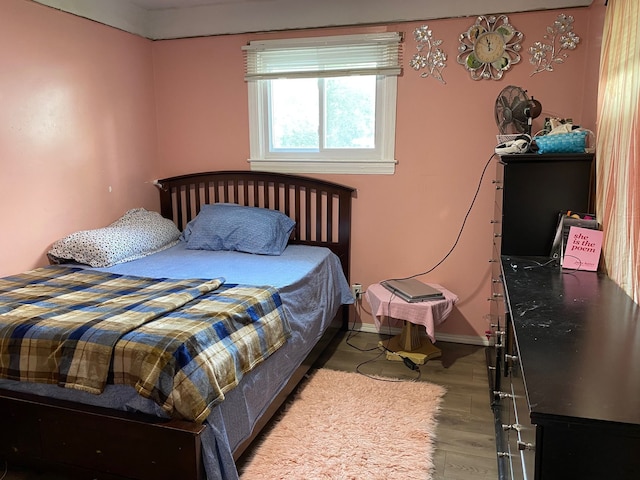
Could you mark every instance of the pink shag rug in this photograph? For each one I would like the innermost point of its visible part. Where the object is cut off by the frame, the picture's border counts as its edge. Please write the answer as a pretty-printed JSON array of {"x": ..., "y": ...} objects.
[{"x": 343, "y": 425}]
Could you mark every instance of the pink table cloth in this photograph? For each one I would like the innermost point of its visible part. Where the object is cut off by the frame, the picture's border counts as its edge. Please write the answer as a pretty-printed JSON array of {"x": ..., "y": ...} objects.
[{"x": 430, "y": 313}]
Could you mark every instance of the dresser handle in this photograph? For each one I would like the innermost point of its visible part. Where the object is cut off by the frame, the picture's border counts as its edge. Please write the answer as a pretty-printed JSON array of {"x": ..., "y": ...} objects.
[
  {"x": 497, "y": 235},
  {"x": 525, "y": 446},
  {"x": 503, "y": 454},
  {"x": 515, "y": 426},
  {"x": 508, "y": 357},
  {"x": 495, "y": 221},
  {"x": 499, "y": 394},
  {"x": 493, "y": 260}
]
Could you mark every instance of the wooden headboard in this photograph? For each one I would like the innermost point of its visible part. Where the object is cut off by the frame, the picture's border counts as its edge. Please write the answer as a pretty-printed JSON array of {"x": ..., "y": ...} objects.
[{"x": 321, "y": 210}]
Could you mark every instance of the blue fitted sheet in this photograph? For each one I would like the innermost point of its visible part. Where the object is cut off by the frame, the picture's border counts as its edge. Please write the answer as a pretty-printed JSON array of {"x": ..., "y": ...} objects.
[{"x": 312, "y": 287}]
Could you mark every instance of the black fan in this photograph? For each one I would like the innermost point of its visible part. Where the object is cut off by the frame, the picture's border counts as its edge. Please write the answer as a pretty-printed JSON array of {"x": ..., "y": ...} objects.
[{"x": 515, "y": 111}]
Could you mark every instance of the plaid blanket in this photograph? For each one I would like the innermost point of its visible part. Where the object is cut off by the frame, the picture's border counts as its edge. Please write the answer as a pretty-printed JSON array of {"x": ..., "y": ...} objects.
[{"x": 181, "y": 343}]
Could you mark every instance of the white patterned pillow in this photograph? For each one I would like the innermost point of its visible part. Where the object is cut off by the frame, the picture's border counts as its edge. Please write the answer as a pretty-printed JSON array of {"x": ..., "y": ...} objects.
[{"x": 136, "y": 234}]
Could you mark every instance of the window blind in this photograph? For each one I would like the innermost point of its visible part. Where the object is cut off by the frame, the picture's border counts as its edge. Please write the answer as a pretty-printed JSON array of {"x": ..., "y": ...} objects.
[{"x": 368, "y": 54}]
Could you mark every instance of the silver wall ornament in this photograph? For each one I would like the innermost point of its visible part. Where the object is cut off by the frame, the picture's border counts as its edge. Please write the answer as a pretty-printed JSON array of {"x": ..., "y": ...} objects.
[
  {"x": 560, "y": 38},
  {"x": 429, "y": 56}
]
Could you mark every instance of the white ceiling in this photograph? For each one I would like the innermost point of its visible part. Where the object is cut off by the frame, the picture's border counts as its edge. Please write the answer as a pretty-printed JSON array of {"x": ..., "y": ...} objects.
[{"x": 164, "y": 19}]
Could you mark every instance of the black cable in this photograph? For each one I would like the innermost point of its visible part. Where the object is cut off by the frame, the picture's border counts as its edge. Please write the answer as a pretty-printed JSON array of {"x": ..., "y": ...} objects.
[
  {"x": 464, "y": 221},
  {"x": 382, "y": 379},
  {"x": 381, "y": 348},
  {"x": 352, "y": 332},
  {"x": 407, "y": 361}
]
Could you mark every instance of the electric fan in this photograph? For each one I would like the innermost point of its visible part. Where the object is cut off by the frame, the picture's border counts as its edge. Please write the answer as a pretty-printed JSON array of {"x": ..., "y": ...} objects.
[{"x": 514, "y": 111}]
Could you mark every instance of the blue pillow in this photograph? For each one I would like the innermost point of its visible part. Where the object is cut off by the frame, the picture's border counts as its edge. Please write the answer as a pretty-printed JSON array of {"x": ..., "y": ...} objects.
[{"x": 234, "y": 227}]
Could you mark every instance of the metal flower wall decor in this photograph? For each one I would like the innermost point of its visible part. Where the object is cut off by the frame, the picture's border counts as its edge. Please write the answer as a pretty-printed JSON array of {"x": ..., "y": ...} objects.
[
  {"x": 560, "y": 38},
  {"x": 430, "y": 56}
]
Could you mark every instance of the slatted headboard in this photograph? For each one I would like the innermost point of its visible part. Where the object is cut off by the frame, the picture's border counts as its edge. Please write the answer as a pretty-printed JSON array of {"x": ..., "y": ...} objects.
[{"x": 321, "y": 209}]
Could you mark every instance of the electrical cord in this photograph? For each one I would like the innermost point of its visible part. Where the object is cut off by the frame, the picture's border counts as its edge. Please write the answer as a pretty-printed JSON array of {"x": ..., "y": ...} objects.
[
  {"x": 383, "y": 379},
  {"x": 464, "y": 222},
  {"x": 538, "y": 264},
  {"x": 552, "y": 260},
  {"x": 410, "y": 364},
  {"x": 352, "y": 332}
]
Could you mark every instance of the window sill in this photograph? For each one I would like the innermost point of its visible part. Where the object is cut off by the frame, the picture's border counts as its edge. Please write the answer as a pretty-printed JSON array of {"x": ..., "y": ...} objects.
[{"x": 362, "y": 167}]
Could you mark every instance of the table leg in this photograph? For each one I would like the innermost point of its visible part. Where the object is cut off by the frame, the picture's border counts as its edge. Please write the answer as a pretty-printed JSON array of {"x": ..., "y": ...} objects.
[{"x": 411, "y": 344}]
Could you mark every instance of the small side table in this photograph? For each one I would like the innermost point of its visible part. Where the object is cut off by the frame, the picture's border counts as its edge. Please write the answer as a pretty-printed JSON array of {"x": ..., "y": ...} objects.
[{"x": 410, "y": 342}]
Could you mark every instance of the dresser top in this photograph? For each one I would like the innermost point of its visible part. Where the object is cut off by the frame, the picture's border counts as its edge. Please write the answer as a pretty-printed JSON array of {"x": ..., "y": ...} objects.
[
  {"x": 578, "y": 334},
  {"x": 547, "y": 157}
]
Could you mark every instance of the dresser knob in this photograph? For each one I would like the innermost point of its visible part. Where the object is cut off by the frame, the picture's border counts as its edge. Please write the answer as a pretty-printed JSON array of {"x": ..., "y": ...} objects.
[{"x": 503, "y": 454}]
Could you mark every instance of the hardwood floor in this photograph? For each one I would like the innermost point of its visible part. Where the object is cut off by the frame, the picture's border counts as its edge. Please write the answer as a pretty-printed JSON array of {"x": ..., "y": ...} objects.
[{"x": 465, "y": 443}]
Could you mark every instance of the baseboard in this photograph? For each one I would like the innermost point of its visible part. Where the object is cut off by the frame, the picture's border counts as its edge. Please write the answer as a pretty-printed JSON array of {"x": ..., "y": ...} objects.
[
  {"x": 466, "y": 339},
  {"x": 443, "y": 337}
]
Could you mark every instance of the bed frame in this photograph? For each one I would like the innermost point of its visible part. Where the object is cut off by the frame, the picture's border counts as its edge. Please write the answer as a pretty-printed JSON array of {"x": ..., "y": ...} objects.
[{"x": 89, "y": 442}]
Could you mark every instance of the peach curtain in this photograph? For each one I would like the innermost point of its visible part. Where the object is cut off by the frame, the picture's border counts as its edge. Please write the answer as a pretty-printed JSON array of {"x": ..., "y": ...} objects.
[{"x": 617, "y": 144}]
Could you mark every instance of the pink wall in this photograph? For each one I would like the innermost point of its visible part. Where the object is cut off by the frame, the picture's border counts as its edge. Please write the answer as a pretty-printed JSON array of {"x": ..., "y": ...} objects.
[
  {"x": 80, "y": 115},
  {"x": 77, "y": 117},
  {"x": 445, "y": 136}
]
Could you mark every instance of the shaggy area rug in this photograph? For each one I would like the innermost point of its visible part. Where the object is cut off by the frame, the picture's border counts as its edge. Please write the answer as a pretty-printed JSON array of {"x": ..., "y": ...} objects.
[{"x": 343, "y": 425}]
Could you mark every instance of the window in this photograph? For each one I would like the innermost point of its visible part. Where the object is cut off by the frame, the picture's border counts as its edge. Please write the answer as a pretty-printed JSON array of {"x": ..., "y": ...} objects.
[{"x": 323, "y": 104}]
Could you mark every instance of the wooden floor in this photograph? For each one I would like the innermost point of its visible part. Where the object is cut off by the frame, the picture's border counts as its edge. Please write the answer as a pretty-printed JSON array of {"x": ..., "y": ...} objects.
[{"x": 465, "y": 442}]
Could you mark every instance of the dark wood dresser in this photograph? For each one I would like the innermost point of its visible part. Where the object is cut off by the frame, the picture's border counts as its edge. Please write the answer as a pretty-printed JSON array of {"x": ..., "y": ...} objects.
[
  {"x": 531, "y": 191},
  {"x": 569, "y": 404},
  {"x": 564, "y": 368}
]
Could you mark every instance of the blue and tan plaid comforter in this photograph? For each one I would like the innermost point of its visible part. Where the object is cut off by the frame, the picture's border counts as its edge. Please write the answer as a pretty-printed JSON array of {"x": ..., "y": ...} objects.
[{"x": 181, "y": 343}]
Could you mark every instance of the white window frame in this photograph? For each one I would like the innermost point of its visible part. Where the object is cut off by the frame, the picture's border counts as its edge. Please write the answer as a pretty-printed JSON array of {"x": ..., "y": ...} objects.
[{"x": 380, "y": 160}]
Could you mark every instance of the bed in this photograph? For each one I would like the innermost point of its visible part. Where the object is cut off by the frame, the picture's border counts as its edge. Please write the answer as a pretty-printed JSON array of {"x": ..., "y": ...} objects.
[{"x": 120, "y": 434}]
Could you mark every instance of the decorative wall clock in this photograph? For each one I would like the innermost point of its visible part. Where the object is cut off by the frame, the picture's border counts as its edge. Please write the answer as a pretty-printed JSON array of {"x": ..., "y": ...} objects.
[{"x": 490, "y": 47}]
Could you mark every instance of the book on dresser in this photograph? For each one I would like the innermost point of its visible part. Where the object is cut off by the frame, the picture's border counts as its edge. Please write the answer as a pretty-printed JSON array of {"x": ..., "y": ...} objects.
[{"x": 582, "y": 250}]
